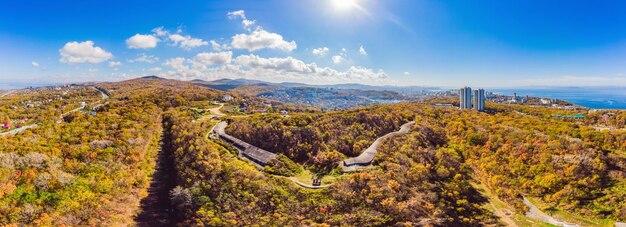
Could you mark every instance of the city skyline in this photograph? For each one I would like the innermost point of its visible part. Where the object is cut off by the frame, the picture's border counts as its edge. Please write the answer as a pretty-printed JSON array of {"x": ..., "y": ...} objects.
[{"x": 396, "y": 42}]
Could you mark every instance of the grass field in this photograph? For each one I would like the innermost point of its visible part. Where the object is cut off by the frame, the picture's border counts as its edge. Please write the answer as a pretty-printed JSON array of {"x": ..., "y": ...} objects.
[{"x": 305, "y": 177}]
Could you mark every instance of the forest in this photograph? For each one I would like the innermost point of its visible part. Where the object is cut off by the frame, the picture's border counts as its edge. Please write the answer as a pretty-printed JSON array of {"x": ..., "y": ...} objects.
[
  {"x": 516, "y": 151},
  {"x": 96, "y": 168},
  {"x": 218, "y": 189},
  {"x": 89, "y": 168},
  {"x": 301, "y": 137}
]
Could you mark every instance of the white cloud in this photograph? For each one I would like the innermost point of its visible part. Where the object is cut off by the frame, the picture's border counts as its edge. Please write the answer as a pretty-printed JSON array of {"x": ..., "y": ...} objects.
[
  {"x": 261, "y": 39},
  {"x": 216, "y": 46},
  {"x": 320, "y": 52},
  {"x": 93, "y": 70},
  {"x": 139, "y": 41},
  {"x": 344, "y": 50},
  {"x": 184, "y": 41},
  {"x": 114, "y": 64},
  {"x": 144, "y": 58},
  {"x": 247, "y": 24},
  {"x": 176, "y": 63},
  {"x": 287, "y": 64},
  {"x": 199, "y": 66},
  {"x": 187, "y": 42},
  {"x": 219, "y": 58},
  {"x": 361, "y": 73},
  {"x": 253, "y": 66},
  {"x": 337, "y": 59},
  {"x": 35, "y": 64},
  {"x": 407, "y": 73},
  {"x": 362, "y": 51},
  {"x": 160, "y": 32},
  {"x": 155, "y": 69},
  {"x": 257, "y": 38},
  {"x": 81, "y": 52}
]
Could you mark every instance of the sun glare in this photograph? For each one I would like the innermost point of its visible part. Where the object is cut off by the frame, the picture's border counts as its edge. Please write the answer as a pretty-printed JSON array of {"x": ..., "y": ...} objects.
[{"x": 344, "y": 4}]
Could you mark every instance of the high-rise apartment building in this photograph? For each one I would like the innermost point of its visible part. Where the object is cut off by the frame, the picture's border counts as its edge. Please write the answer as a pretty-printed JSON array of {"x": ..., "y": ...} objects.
[
  {"x": 479, "y": 99},
  {"x": 465, "y": 98}
]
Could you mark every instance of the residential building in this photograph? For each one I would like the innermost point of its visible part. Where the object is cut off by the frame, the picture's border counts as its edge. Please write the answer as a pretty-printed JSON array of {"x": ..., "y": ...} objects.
[
  {"x": 479, "y": 99},
  {"x": 546, "y": 101},
  {"x": 465, "y": 98},
  {"x": 227, "y": 98}
]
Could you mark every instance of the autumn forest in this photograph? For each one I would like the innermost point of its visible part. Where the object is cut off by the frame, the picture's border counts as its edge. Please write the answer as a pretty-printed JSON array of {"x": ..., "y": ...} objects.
[{"x": 143, "y": 152}]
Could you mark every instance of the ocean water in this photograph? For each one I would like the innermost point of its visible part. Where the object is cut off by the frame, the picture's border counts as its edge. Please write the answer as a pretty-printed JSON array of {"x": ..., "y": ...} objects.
[
  {"x": 10, "y": 86},
  {"x": 591, "y": 97}
]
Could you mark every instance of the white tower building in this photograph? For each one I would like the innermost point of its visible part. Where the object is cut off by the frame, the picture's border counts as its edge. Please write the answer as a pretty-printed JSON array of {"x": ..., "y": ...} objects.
[
  {"x": 479, "y": 99},
  {"x": 465, "y": 98}
]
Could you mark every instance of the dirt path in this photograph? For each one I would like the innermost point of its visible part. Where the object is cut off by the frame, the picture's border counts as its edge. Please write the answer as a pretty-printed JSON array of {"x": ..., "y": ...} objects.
[
  {"x": 216, "y": 111},
  {"x": 306, "y": 185},
  {"x": 156, "y": 208},
  {"x": 503, "y": 215}
]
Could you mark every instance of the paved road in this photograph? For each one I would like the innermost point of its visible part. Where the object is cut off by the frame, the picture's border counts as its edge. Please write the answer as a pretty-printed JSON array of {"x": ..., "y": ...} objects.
[
  {"x": 21, "y": 129},
  {"x": 104, "y": 94},
  {"x": 72, "y": 111},
  {"x": 536, "y": 214},
  {"x": 18, "y": 130},
  {"x": 7, "y": 93},
  {"x": 98, "y": 104},
  {"x": 366, "y": 157}
]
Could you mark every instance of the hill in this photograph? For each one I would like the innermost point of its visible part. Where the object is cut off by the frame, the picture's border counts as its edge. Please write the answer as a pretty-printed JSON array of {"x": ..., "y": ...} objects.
[
  {"x": 320, "y": 96},
  {"x": 144, "y": 155},
  {"x": 225, "y": 84}
]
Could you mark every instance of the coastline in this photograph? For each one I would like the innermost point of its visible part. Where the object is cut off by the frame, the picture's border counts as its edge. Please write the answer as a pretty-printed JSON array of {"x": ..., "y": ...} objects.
[{"x": 593, "y": 98}]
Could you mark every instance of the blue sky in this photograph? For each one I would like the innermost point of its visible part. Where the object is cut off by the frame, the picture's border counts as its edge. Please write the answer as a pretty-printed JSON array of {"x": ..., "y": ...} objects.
[{"x": 402, "y": 42}]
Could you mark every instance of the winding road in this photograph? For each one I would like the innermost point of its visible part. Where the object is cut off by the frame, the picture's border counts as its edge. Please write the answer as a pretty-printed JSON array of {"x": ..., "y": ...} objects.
[
  {"x": 18, "y": 130},
  {"x": 352, "y": 164},
  {"x": 536, "y": 214},
  {"x": 23, "y": 128},
  {"x": 365, "y": 159}
]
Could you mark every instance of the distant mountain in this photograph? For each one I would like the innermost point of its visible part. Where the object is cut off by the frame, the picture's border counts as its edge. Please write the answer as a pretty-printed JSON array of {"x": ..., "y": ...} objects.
[
  {"x": 225, "y": 81},
  {"x": 151, "y": 77},
  {"x": 229, "y": 84},
  {"x": 340, "y": 96}
]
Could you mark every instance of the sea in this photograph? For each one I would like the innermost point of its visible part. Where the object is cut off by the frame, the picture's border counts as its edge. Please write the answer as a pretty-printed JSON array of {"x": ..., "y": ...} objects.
[
  {"x": 590, "y": 97},
  {"x": 10, "y": 86}
]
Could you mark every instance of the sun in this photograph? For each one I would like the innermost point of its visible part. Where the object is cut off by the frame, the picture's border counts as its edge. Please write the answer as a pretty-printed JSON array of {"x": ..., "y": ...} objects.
[{"x": 344, "y": 4}]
